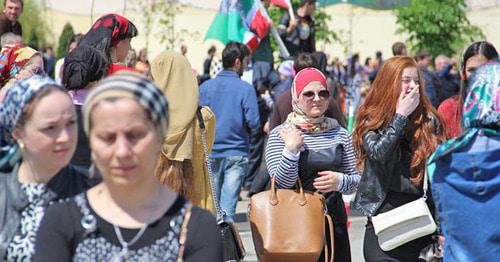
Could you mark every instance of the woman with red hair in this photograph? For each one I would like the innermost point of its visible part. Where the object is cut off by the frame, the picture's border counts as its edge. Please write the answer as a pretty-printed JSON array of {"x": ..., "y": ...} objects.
[{"x": 397, "y": 129}]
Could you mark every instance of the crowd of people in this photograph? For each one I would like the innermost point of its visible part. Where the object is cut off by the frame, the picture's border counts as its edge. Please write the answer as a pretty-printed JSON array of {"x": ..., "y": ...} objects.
[{"x": 106, "y": 156}]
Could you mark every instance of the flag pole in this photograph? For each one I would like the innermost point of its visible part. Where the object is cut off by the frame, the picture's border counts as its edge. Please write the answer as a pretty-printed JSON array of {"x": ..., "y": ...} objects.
[
  {"x": 283, "y": 50},
  {"x": 290, "y": 9}
]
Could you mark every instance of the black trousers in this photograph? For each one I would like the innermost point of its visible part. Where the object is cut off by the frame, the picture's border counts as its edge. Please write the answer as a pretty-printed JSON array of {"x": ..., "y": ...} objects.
[
  {"x": 257, "y": 146},
  {"x": 407, "y": 252}
]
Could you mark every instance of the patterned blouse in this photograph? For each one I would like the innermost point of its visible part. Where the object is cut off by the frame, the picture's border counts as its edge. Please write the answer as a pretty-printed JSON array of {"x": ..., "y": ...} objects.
[{"x": 22, "y": 246}]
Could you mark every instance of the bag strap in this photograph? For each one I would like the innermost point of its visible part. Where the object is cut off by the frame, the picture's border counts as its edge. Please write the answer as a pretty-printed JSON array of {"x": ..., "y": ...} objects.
[
  {"x": 426, "y": 185},
  {"x": 208, "y": 162},
  {"x": 184, "y": 230},
  {"x": 332, "y": 244}
]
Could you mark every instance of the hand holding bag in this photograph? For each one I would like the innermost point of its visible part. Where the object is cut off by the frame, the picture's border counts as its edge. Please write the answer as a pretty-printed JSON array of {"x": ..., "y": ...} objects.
[
  {"x": 231, "y": 242},
  {"x": 289, "y": 225},
  {"x": 404, "y": 223}
]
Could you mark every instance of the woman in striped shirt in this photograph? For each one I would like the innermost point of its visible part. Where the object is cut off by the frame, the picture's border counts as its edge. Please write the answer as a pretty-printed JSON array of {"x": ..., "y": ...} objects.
[{"x": 317, "y": 150}]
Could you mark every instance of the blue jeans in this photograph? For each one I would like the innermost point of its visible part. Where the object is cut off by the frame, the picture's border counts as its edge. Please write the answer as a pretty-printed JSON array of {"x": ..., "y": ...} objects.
[{"x": 229, "y": 173}]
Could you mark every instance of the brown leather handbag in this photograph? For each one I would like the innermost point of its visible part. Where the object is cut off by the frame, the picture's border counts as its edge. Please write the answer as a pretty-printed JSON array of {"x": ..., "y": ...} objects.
[{"x": 289, "y": 225}]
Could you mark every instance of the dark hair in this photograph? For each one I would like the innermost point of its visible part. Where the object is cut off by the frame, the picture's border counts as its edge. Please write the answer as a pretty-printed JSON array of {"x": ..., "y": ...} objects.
[
  {"x": 397, "y": 48},
  {"x": 211, "y": 50},
  {"x": 14, "y": 1},
  {"x": 477, "y": 48},
  {"x": 83, "y": 65},
  {"x": 422, "y": 54},
  {"x": 367, "y": 61},
  {"x": 233, "y": 51},
  {"x": 304, "y": 2},
  {"x": 77, "y": 38},
  {"x": 305, "y": 60},
  {"x": 352, "y": 66},
  {"x": 378, "y": 54}
]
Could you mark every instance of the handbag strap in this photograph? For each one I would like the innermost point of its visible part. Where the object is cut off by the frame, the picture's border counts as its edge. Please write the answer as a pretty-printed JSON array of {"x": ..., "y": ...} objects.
[
  {"x": 208, "y": 162},
  {"x": 426, "y": 185},
  {"x": 332, "y": 239},
  {"x": 183, "y": 236}
]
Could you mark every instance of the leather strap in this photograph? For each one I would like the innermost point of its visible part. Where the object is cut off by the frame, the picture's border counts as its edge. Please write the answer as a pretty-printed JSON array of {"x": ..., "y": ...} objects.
[
  {"x": 183, "y": 236},
  {"x": 332, "y": 246}
]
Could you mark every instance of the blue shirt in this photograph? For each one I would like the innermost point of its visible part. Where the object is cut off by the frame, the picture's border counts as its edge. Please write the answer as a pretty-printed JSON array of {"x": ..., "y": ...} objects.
[{"x": 234, "y": 103}]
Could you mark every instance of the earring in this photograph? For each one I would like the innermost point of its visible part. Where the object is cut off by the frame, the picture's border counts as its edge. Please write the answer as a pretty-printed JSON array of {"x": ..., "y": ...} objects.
[{"x": 21, "y": 145}]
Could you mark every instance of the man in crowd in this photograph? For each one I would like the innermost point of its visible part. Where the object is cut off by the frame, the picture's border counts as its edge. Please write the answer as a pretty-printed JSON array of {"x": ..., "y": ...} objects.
[
  {"x": 12, "y": 10},
  {"x": 432, "y": 83},
  {"x": 399, "y": 49},
  {"x": 450, "y": 81},
  {"x": 234, "y": 103},
  {"x": 299, "y": 32},
  {"x": 10, "y": 38}
]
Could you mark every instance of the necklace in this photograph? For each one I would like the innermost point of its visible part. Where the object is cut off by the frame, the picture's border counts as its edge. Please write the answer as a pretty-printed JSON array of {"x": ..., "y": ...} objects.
[{"x": 124, "y": 253}]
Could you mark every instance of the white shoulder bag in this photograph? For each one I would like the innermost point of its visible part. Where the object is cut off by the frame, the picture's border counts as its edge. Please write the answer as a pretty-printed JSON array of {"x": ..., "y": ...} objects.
[{"x": 405, "y": 223}]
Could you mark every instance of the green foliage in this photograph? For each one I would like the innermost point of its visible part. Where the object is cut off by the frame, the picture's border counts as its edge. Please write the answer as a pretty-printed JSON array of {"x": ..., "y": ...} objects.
[
  {"x": 65, "y": 40},
  {"x": 35, "y": 29},
  {"x": 323, "y": 32},
  {"x": 439, "y": 26},
  {"x": 162, "y": 14}
]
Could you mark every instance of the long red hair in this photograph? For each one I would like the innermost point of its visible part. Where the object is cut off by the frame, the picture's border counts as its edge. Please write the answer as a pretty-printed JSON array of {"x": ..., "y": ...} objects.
[{"x": 425, "y": 127}]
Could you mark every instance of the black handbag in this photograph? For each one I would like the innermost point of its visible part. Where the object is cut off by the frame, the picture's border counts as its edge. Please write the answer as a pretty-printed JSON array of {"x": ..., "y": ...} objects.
[{"x": 232, "y": 245}]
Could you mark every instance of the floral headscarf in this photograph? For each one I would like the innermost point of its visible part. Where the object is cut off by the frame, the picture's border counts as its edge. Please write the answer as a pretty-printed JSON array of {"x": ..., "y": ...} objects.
[
  {"x": 297, "y": 117},
  {"x": 481, "y": 110},
  {"x": 12, "y": 59},
  {"x": 108, "y": 31},
  {"x": 482, "y": 103}
]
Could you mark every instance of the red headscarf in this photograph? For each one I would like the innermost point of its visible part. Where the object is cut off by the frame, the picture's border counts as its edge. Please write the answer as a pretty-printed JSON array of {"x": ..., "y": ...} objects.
[
  {"x": 305, "y": 77},
  {"x": 12, "y": 59},
  {"x": 298, "y": 118},
  {"x": 108, "y": 31}
]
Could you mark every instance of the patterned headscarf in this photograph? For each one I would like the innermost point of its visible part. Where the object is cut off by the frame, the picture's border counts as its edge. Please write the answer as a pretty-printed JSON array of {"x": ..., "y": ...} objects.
[
  {"x": 108, "y": 31},
  {"x": 482, "y": 103},
  {"x": 481, "y": 110},
  {"x": 134, "y": 86},
  {"x": 297, "y": 117},
  {"x": 12, "y": 59},
  {"x": 14, "y": 102}
]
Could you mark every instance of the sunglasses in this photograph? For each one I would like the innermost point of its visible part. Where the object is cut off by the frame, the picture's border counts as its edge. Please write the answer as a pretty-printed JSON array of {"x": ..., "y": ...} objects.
[{"x": 323, "y": 94}]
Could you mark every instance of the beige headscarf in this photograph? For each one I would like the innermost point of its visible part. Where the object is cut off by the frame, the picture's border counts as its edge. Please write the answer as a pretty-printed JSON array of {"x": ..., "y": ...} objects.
[{"x": 172, "y": 72}]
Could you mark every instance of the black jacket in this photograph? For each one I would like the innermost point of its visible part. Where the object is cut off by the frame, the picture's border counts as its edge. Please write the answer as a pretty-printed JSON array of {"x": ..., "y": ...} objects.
[
  {"x": 382, "y": 163},
  {"x": 67, "y": 183}
]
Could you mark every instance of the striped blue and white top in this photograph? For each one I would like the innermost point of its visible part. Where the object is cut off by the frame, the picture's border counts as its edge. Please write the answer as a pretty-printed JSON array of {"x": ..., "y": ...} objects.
[{"x": 285, "y": 165}]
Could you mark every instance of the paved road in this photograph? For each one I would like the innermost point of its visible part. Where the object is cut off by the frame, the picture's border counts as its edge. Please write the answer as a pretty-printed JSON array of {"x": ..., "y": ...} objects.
[{"x": 356, "y": 232}]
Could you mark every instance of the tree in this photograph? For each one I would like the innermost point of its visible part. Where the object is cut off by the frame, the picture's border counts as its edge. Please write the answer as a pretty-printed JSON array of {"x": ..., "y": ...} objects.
[
  {"x": 35, "y": 29},
  {"x": 65, "y": 40},
  {"x": 161, "y": 16},
  {"x": 439, "y": 26}
]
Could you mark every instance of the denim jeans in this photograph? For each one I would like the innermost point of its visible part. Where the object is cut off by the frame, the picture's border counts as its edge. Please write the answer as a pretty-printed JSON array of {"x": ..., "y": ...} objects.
[{"x": 229, "y": 173}]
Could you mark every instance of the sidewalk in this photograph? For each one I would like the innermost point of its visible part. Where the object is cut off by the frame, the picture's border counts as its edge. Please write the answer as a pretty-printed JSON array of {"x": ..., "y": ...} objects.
[{"x": 356, "y": 232}]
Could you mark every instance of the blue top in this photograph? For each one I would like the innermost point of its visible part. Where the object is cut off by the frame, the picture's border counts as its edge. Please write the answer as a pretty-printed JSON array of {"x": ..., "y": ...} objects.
[{"x": 234, "y": 103}]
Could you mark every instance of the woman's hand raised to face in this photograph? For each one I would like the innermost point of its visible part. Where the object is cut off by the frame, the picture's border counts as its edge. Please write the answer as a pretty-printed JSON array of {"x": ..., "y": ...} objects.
[
  {"x": 407, "y": 103},
  {"x": 327, "y": 181},
  {"x": 292, "y": 137}
]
